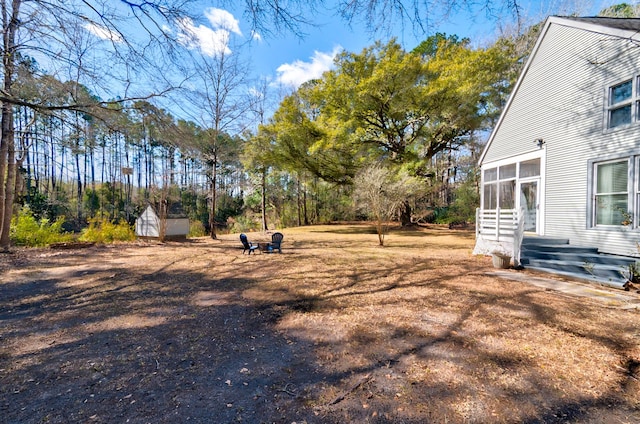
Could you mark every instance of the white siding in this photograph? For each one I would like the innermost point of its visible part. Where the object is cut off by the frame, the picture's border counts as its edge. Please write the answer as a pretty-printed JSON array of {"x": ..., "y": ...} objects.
[
  {"x": 561, "y": 99},
  {"x": 148, "y": 225}
]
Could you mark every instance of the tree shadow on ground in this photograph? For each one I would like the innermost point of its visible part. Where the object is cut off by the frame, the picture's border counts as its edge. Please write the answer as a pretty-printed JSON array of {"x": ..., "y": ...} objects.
[{"x": 207, "y": 335}]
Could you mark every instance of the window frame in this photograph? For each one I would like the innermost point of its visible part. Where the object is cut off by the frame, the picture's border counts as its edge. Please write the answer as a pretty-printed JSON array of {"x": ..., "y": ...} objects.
[
  {"x": 633, "y": 102},
  {"x": 597, "y": 195},
  {"x": 633, "y": 191},
  {"x": 499, "y": 180}
]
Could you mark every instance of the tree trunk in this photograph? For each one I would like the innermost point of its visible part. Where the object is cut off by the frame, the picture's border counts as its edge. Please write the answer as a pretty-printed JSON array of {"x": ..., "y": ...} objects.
[
  {"x": 79, "y": 188},
  {"x": 304, "y": 207},
  {"x": 9, "y": 173},
  {"x": 7, "y": 146},
  {"x": 212, "y": 213},
  {"x": 380, "y": 229},
  {"x": 4, "y": 160},
  {"x": 32, "y": 175},
  {"x": 264, "y": 200},
  {"x": 162, "y": 216},
  {"x": 405, "y": 214},
  {"x": 298, "y": 202}
]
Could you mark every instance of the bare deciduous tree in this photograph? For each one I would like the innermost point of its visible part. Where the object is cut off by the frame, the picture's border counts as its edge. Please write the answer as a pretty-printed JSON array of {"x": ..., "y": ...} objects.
[
  {"x": 380, "y": 193},
  {"x": 220, "y": 100},
  {"x": 277, "y": 16},
  {"x": 124, "y": 34}
]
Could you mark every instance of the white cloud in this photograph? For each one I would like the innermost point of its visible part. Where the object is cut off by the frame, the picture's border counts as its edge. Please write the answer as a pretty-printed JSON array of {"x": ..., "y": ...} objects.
[
  {"x": 210, "y": 42},
  {"x": 296, "y": 73},
  {"x": 221, "y": 19},
  {"x": 256, "y": 36},
  {"x": 102, "y": 32},
  {"x": 254, "y": 92}
]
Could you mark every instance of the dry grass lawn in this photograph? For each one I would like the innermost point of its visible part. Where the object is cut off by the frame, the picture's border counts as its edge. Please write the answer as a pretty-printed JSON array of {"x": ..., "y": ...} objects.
[{"x": 335, "y": 329}]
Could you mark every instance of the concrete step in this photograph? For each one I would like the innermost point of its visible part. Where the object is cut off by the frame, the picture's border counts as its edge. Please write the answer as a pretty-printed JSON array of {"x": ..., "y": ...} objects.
[
  {"x": 617, "y": 283},
  {"x": 577, "y": 255},
  {"x": 538, "y": 240},
  {"x": 557, "y": 256},
  {"x": 558, "y": 248},
  {"x": 588, "y": 269}
]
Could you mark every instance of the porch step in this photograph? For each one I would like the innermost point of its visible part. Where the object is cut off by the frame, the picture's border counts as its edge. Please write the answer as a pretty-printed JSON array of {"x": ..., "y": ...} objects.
[
  {"x": 579, "y": 255},
  {"x": 617, "y": 282},
  {"x": 541, "y": 240},
  {"x": 566, "y": 248},
  {"x": 557, "y": 256},
  {"x": 604, "y": 273}
]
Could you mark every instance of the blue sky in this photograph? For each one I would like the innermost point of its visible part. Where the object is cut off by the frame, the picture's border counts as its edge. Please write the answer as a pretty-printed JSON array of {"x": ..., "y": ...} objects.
[{"x": 289, "y": 61}]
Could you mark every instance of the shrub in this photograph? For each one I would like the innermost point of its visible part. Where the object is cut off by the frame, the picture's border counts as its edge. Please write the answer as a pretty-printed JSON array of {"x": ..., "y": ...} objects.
[
  {"x": 467, "y": 199},
  {"x": 196, "y": 229},
  {"x": 101, "y": 230},
  {"x": 242, "y": 223},
  {"x": 26, "y": 230}
]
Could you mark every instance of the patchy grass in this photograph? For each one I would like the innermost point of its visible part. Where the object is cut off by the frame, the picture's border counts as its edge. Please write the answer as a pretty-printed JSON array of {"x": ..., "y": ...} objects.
[{"x": 334, "y": 329}]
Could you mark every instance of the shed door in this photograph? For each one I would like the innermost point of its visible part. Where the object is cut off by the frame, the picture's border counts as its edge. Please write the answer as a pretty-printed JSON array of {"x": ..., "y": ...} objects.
[{"x": 529, "y": 200}]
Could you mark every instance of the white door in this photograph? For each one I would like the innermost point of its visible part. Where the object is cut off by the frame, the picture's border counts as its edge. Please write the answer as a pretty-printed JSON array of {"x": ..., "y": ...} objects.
[{"x": 529, "y": 200}]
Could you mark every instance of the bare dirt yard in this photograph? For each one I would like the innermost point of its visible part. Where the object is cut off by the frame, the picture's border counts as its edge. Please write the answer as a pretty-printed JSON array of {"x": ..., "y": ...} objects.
[{"x": 334, "y": 330}]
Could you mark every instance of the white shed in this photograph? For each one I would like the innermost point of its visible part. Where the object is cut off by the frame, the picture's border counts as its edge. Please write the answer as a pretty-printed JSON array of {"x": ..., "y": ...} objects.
[{"x": 148, "y": 225}]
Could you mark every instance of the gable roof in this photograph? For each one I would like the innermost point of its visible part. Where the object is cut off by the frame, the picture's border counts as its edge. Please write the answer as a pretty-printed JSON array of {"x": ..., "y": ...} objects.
[
  {"x": 627, "y": 24},
  {"x": 175, "y": 211},
  {"x": 615, "y": 27}
]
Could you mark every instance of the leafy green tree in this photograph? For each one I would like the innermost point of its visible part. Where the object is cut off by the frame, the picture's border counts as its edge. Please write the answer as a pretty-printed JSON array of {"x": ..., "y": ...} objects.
[
  {"x": 429, "y": 47},
  {"x": 378, "y": 97},
  {"x": 91, "y": 202},
  {"x": 302, "y": 143},
  {"x": 386, "y": 104},
  {"x": 33, "y": 232},
  {"x": 621, "y": 10}
]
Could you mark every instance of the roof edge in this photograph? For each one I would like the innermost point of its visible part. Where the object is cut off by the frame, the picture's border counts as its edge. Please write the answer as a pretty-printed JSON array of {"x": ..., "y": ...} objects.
[
  {"x": 616, "y": 27},
  {"x": 523, "y": 72}
]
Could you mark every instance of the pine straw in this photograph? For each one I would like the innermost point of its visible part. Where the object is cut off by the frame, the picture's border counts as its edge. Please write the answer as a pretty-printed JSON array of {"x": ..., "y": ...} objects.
[{"x": 334, "y": 329}]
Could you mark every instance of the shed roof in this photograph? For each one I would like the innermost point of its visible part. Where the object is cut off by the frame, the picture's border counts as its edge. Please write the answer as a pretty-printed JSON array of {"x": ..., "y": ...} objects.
[{"x": 175, "y": 210}]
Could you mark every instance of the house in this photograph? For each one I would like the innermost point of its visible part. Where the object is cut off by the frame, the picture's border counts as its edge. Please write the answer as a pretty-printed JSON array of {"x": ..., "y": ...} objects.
[
  {"x": 564, "y": 156},
  {"x": 149, "y": 224}
]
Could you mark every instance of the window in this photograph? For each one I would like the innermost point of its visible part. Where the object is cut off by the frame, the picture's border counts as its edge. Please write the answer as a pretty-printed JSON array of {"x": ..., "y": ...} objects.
[
  {"x": 623, "y": 103},
  {"x": 615, "y": 192},
  {"x": 508, "y": 171},
  {"x": 490, "y": 189},
  {"x": 611, "y": 192},
  {"x": 490, "y": 196},
  {"x": 530, "y": 168},
  {"x": 508, "y": 194},
  {"x": 507, "y": 186},
  {"x": 499, "y": 185}
]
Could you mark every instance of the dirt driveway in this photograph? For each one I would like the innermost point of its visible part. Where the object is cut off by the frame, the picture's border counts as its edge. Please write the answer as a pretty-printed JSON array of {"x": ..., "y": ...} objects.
[{"x": 333, "y": 330}]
